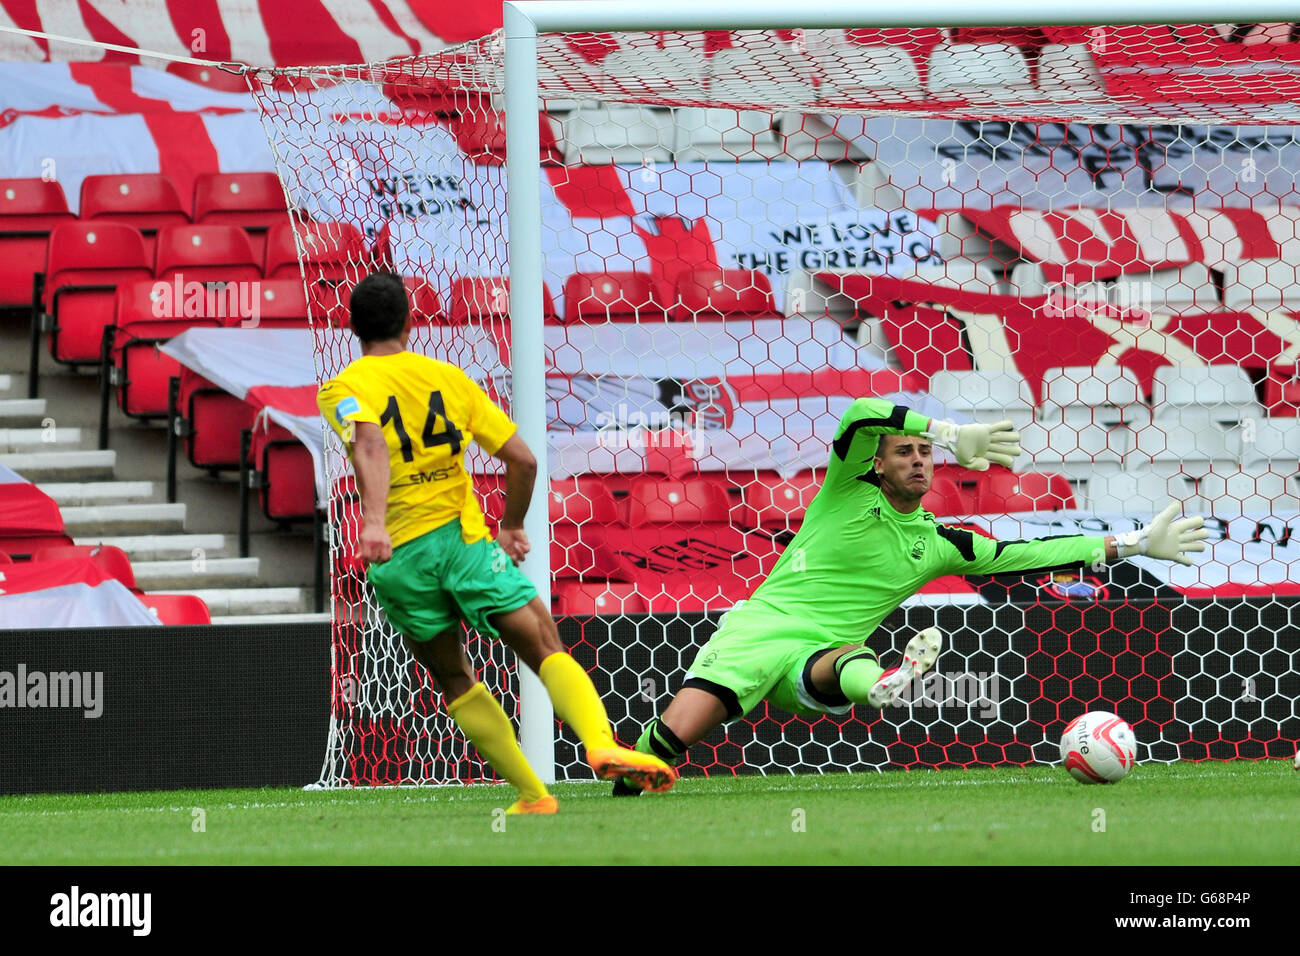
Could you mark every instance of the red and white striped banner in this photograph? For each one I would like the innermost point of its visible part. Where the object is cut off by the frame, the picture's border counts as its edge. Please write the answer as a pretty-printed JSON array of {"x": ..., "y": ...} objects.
[{"x": 73, "y": 592}]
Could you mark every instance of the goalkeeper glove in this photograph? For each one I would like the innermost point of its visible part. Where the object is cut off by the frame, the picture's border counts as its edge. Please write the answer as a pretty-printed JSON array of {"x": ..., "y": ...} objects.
[
  {"x": 1165, "y": 538},
  {"x": 976, "y": 445}
]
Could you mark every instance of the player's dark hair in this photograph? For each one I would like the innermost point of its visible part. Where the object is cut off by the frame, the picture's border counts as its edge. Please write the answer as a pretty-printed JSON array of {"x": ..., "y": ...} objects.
[{"x": 379, "y": 307}]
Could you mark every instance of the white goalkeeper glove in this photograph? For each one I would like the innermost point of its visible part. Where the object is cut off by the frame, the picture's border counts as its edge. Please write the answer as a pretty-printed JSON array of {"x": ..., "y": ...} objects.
[
  {"x": 1165, "y": 538},
  {"x": 976, "y": 445}
]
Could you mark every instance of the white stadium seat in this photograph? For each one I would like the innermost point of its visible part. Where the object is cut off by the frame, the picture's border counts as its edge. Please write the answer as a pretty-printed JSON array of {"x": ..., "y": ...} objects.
[
  {"x": 807, "y": 136},
  {"x": 639, "y": 66},
  {"x": 955, "y": 273},
  {"x": 1079, "y": 453},
  {"x": 778, "y": 76},
  {"x": 1107, "y": 395},
  {"x": 725, "y": 135},
  {"x": 1188, "y": 288},
  {"x": 872, "y": 188},
  {"x": 1261, "y": 284},
  {"x": 1244, "y": 491},
  {"x": 1191, "y": 443},
  {"x": 984, "y": 396},
  {"x": 987, "y": 70},
  {"x": 1140, "y": 492},
  {"x": 1222, "y": 392},
  {"x": 1027, "y": 280},
  {"x": 1275, "y": 440},
  {"x": 599, "y": 135},
  {"x": 867, "y": 72},
  {"x": 807, "y": 296},
  {"x": 1068, "y": 72}
]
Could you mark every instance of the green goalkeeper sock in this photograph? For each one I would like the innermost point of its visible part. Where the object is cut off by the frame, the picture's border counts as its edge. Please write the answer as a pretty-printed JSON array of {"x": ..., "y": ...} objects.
[
  {"x": 857, "y": 672},
  {"x": 659, "y": 741}
]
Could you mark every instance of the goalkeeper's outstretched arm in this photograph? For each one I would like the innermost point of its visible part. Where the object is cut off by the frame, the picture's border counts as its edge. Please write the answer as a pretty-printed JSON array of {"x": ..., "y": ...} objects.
[{"x": 1163, "y": 538}]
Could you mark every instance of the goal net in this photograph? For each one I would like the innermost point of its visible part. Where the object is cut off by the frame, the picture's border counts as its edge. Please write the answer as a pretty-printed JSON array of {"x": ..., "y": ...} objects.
[{"x": 1089, "y": 230}]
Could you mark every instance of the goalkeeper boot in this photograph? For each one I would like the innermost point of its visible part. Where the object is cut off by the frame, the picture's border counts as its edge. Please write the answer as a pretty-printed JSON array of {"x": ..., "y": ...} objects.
[
  {"x": 547, "y": 804},
  {"x": 644, "y": 770},
  {"x": 624, "y": 789},
  {"x": 919, "y": 656}
]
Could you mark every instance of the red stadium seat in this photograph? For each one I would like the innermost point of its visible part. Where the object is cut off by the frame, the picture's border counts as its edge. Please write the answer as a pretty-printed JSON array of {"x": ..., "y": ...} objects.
[
  {"x": 212, "y": 420},
  {"x": 422, "y": 92},
  {"x": 1282, "y": 391},
  {"x": 329, "y": 303},
  {"x": 29, "y": 210},
  {"x": 927, "y": 339},
  {"x": 946, "y": 497},
  {"x": 147, "y": 201},
  {"x": 1003, "y": 492},
  {"x": 252, "y": 201},
  {"x": 111, "y": 560},
  {"x": 177, "y": 609},
  {"x": 481, "y": 136},
  {"x": 709, "y": 294},
  {"x": 780, "y": 503},
  {"x": 281, "y": 304},
  {"x": 85, "y": 265},
  {"x": 614, "y": 297},
  {"x": 585, "y": 598},
  {"x": 286, "y": 476},
  {"x": 5, "y": 559},
  {"x": 580, "y": 508},
  {"x": 147, "y": 316},
  {"x": 491, "y": 492},
  {"x": 334, "y": 252},
  {"x": 332, "y": 303},
  {"x": 584, "y": 528},
  {"x": 485, "y": 298},
  {"x": 585, "y": 499},
  {"x": 208, "y": 253},
  {"x": 425, "y": 304},
  {"x": 681, "y": 501},
  {"x": 29, "y": 520}
]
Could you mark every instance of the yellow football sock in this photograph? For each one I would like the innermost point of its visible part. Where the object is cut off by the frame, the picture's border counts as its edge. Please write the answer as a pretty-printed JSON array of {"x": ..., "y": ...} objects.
[
  {"x": 576, "y": 701},
  {"x": 488, "y": 728}
]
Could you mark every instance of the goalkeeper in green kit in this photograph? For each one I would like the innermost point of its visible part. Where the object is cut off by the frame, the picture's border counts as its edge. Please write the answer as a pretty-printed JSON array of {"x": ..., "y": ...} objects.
[{"x": 865, "y": 546}]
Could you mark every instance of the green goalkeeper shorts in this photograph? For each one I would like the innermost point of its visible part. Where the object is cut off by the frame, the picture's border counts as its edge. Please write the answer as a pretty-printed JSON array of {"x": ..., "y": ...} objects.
[
  {"x": 758, "y": 654},
  {"x": 436, "y": 580}
]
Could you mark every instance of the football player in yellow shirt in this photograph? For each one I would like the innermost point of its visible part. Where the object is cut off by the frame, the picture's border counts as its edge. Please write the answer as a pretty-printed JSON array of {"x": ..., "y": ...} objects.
[{"x": 405, "y": 420}]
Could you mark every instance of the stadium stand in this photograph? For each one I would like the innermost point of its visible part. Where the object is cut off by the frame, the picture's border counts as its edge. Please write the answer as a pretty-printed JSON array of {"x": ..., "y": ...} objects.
[{"x": 29, "y": 211}]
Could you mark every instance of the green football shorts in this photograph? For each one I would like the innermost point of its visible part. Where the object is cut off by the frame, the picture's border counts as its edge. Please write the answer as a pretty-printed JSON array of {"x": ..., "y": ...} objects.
[
  {"x": 759, "y": 654},
  {"x": 433, "y": 581}
]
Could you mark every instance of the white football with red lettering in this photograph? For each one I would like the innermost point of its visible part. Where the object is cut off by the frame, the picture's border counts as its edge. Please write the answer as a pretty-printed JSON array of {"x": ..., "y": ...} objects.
[{"x": 1098, "y": 747}]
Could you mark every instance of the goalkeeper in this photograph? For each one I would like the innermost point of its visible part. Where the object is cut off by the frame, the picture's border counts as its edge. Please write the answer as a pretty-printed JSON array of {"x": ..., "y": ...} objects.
[
  {"x": 865, "y": 546},
  {"x": 405, "y": 420}
]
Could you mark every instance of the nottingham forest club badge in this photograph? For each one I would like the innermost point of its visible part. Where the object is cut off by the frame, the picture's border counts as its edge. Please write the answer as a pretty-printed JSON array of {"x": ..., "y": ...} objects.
[
  {"x": 918, "y": 549},
  {"x": 1069, "y": 586}
]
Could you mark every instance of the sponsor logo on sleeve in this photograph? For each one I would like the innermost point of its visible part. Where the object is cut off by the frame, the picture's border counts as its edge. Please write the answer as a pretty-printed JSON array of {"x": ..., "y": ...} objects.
[{"x": 349, "y": 406}]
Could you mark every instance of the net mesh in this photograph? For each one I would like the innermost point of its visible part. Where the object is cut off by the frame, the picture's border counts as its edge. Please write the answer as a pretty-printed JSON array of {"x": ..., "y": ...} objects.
[{"x": 1091, "y": 231}]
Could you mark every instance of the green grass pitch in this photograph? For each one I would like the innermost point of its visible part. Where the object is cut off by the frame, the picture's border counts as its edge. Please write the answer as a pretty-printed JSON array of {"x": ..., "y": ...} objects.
[{"x": 1236, "y": 813}]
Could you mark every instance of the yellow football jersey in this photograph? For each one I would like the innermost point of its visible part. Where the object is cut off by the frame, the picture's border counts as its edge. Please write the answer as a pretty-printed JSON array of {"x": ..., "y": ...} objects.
[{"x": 428, "y": 411}]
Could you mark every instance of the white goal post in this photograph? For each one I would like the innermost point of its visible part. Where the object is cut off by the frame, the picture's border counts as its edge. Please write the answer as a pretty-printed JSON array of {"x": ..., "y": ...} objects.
[{"x": 524, "y": 20}]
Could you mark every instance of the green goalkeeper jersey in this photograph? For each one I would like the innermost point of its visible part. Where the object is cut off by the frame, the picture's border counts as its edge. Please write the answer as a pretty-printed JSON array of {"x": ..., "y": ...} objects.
[{"x": 856, "y": 558}]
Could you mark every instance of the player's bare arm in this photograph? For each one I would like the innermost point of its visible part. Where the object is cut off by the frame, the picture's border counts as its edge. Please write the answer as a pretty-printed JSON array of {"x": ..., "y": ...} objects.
[
  {"x": 521, "y": 472},
  {"x": 370, "y": 462}
]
